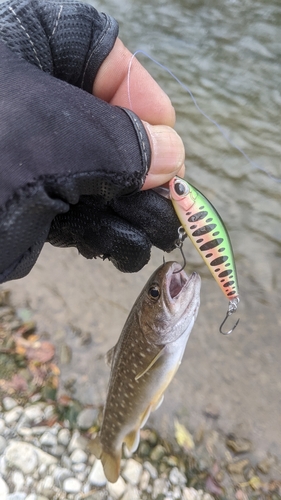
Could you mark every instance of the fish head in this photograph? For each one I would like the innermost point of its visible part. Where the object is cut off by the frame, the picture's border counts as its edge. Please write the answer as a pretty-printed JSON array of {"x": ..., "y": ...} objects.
[{"x": 169, "y": 305}]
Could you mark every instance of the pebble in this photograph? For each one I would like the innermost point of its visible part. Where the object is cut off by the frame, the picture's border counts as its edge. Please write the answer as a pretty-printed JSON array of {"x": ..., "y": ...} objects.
[
  {"x": 78, "y": 456},
  {"x": 86, "y": 418},
  {"x": 13, "y": 415},
  {"x": 48, "y": 439},
  {"x": 3, "y": 444},
  {"x": 17, "y": 479},
  {"x": 132, "y": 471},
  {"x": 116, "y": 490},
  {"x": 177, "y": 477},
  {"x": 64, "y": 437},
  {"x": 65, "y": 470},
  {"x": 97, "y": 477},
  {"x": 72, "y": 485},
  {"x": 17, "y": 496},
  {"x": 77, "y": 441},
  {"x": 9, "y": 403},
  {"x": 4, "y": 490}
]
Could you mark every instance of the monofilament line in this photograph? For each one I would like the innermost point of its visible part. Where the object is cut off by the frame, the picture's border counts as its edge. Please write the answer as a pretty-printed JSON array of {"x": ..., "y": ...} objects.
[{"x": 185, "y": 87}]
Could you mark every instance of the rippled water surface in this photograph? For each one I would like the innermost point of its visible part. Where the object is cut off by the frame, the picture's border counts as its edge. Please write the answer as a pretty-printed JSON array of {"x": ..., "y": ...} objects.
[{"x": 229, "y": 54}]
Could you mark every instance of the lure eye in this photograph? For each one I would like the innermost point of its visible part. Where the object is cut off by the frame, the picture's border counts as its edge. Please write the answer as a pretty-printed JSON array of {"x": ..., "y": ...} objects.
[
  {"x": 181, "y": 188},
  {"x": 154, "y": 292}
]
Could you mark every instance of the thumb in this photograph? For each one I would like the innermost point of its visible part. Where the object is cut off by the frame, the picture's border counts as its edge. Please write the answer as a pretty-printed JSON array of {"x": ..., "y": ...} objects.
[{"x": 167, "y": 155}]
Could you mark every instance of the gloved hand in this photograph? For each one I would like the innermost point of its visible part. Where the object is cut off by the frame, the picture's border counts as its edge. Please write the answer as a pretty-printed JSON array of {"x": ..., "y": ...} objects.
[{"x": 71, "y": 164}]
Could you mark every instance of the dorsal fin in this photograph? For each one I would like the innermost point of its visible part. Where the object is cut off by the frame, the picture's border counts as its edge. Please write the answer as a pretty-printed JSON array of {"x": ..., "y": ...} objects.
[
  {"x": 109, "y": 356},
  {"x": 139, "y": 375}
]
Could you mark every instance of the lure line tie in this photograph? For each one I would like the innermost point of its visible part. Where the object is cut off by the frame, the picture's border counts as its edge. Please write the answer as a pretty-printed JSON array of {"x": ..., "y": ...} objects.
[{"x": 179, "y": 244}]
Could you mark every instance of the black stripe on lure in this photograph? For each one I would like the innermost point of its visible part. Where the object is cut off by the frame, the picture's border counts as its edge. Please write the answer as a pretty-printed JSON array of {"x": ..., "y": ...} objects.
[{"x": 205, "y": 228}]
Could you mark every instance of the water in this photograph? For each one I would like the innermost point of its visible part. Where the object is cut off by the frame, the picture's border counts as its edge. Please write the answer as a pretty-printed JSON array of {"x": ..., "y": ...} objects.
[{"x": 228, "y": 53}]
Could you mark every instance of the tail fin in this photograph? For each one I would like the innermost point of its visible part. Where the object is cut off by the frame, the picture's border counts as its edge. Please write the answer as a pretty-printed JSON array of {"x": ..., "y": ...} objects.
[{"x": 110, "y": 461}]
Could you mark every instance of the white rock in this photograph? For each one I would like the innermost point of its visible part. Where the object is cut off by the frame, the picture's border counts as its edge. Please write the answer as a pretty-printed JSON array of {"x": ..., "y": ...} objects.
[
  {"x": 177, "y": 494},
  {"x": 39, "y": 430},
  {"x": 20, "y": 495},
  {"x": 32, "y": 496},
  {"x": 116, "y": 490},
  {"x": 25, "y": 456},
  {"x": 46, "y": 485},
  {"x": 66, "y": 462},
  {"x": 132, "y": 471},
  {"x": 12, "y": 416},
  {"x": 159, "y": 487},
  {"x": 151, "y": 469},
  {"x": 34, "y": 413},
  {"x": 96, "y": 476},
  {"x": 132, "y": 493},
  {"x": 77, "y": 441},
  {"x": 192, "y": 494},
  {"x": 9, "y": 403},
  {"x": 49, "y": 412},
  {"x": 3, "y": 444},
  {"x": 177, "y": 477},
  {"x": 4, "y": 490},
  {"x": 78, "y": 456},
  {"x": 86, "y": 418},
  {"x": 2, "y": 426},
  {"x": 42, "y": 469},
  {"x": 72, "y": 485},
  {"x": 24, "y": 431},
  {"x": 18, "y": 480},
  {"x": 77, "y": 468},
  {"x": 3, "y": 466},
  {"x": 60, "y": 474},
  {"x": 144, "y": 480},
  {"x": 22, "y": 456},
  {"x": 64, "y": 437},
  {"x": 48, "y": 439}
]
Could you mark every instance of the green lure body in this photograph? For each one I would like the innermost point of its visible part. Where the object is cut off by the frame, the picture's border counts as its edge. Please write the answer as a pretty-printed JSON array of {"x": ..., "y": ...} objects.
[{"x": 205, "y": 228}]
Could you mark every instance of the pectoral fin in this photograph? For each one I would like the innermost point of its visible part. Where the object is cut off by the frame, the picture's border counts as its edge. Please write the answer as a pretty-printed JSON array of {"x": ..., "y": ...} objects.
[
  {"x": 139, "y": 375},
  {"x": 132, "y": 440},
  {"x": 109, "y": 356}
]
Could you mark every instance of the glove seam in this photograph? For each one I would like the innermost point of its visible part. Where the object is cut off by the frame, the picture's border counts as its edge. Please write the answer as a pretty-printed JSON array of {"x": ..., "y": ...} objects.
[
  {"x": 98, "y": 42},
  {"x": 27, "y": 36}
]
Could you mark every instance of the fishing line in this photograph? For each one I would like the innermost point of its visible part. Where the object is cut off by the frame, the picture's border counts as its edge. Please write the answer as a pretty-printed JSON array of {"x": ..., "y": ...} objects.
[{"x": 186, "y": 88}]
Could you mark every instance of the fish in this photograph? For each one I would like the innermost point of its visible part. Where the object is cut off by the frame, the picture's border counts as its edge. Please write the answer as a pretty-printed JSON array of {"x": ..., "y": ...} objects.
[{"x": 145, "y": 359}]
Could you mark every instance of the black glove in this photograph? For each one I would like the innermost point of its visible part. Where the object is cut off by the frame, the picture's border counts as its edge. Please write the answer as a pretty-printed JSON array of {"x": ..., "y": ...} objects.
[{"x": 69, "y": 162}]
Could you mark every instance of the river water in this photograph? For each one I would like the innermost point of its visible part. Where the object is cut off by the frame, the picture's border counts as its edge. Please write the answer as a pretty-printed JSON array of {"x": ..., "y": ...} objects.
[{"x": 228, "y": 53}]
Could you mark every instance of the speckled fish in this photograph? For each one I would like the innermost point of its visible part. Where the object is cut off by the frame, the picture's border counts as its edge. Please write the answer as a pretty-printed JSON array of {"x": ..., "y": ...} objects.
[{"x": 145, "y": 359}]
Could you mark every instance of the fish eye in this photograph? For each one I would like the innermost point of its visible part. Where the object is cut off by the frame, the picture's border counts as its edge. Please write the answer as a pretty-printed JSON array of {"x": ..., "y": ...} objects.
[
  {"x": 154, "y": 292},
  {"x": 181, "y": 188}
]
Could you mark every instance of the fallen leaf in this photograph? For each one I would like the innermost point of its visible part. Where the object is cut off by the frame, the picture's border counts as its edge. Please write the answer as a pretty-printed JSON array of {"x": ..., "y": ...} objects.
[
  {"x": 213, "y": 486},
  {"x": 183, "y": 437},
  {"x": 255, "y": 483},
  {"x": 41, "y": 352}
]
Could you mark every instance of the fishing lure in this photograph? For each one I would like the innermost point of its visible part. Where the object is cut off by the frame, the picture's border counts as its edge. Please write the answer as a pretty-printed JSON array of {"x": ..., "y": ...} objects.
[{"x": 205, "y": 228}]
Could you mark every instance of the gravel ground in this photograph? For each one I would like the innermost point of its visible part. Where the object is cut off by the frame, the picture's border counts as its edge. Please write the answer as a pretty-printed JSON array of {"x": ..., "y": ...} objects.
[{"x": 45, "y": 440}]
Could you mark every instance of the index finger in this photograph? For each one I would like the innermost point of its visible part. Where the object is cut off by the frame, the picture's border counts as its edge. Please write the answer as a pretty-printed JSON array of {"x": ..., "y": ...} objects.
[{"x": 147, "y": 99}]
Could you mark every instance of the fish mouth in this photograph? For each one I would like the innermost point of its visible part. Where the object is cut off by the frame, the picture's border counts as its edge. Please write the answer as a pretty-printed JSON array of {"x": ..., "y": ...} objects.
[{"x": 177, "y": 281}]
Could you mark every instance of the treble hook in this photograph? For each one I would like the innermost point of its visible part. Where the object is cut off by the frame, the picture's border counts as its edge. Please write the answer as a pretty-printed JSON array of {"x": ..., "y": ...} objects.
[
  {"x": 179, "y": 244},
  {"x": 232, "y": 306}
]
